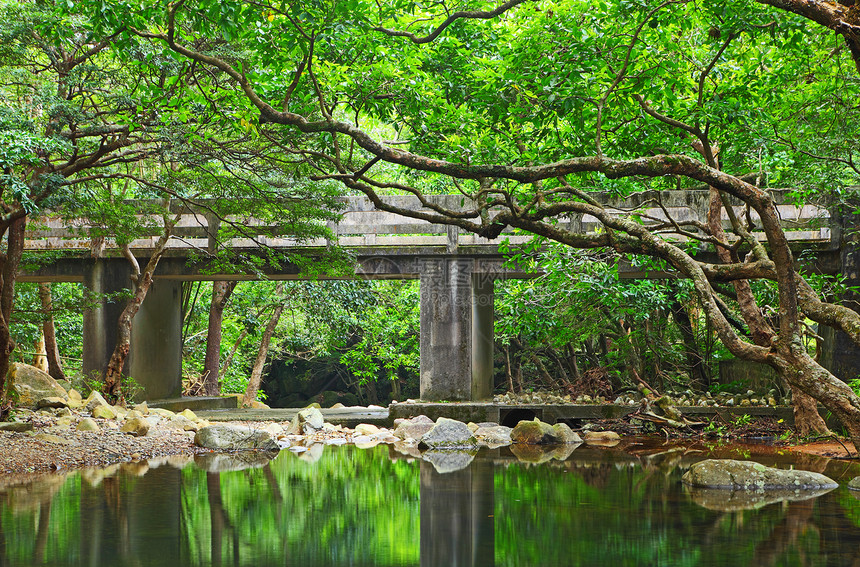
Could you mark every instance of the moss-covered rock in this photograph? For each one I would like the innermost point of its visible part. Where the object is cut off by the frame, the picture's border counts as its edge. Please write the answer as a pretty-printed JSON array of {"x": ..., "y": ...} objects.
[{"x": 746, "y": 475}]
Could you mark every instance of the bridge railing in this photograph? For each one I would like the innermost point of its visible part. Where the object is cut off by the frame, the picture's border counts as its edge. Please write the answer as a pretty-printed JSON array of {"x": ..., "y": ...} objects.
[{"x": 361, "y": 225}]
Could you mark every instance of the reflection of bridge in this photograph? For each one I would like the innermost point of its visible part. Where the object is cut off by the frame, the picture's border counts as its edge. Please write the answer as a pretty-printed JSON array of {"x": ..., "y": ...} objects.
[{"x": 456, "y": 272}]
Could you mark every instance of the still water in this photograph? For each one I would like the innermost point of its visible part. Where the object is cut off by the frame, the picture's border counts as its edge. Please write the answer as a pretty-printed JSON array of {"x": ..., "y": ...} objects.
[{"x": 347, "y": 506}]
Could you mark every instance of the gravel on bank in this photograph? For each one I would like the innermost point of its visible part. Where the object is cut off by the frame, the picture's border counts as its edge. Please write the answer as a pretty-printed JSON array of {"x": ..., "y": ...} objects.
[{"x": 52, "y": 447}]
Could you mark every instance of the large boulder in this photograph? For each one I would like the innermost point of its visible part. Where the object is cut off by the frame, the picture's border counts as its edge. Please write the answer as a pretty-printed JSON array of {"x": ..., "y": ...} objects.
[
  {"x": 234, "y": 438},
  {"x": 449, "y": 434},
  {"x": 31, "y": 385},
  {"x": 746, "y": 475}
]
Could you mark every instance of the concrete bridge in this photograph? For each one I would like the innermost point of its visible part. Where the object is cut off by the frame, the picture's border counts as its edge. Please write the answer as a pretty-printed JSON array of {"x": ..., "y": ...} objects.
[{"x": 456, "y": 272}]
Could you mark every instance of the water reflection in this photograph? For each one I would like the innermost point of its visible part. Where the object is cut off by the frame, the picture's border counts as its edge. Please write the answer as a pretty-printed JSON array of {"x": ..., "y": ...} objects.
[
  {"x": 457, "y": 511},
  {"x": 598, "y": 506}
]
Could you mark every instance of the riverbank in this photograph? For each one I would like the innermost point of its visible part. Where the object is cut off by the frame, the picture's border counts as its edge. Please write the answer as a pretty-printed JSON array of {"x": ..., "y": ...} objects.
[{"x": 55, "y": 443}]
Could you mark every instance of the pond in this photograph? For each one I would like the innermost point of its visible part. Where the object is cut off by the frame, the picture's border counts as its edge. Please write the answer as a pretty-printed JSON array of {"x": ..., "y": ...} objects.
[{"x": 350, "y": 506}]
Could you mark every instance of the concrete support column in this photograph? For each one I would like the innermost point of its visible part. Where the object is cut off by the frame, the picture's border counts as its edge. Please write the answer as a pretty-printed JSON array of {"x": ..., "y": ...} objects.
[
  {"x": 155, "y": 357},
  {"x": 456, "y": 331},
  {"x": 101, "y": 277},
  {"x": 483, "y": 343}
]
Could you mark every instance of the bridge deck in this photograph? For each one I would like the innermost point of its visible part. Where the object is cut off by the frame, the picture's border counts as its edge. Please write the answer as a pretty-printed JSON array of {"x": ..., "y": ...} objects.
[{"x": 362, "y": 226}]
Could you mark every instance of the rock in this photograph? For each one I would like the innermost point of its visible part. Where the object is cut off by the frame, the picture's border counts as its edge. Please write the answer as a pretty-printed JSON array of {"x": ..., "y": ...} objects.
[
  {"x": 565, "y": 435},
  {"x": 746, "y": 475},
  {"x": 16, "y": 426},
  {"x": 533, "y": 433},
  {"x": 134, "y": 414},
  {"x": 74, "y": 396},
  {"x": 160, "y": 412},
  {"x": 188, "y": 414},
  {"x": 142, "y": 408},
  {"x": 88, "y": 424},
  {"x": 414, "y": 428},
  {"x": 30, "y": 385},
  {"x": 307, "y": 421},
  {"x": 65, "y": 421},
  {"x": 94, "y": 400},
  {"x": 313, "y": 405},
  {"x": 136, "y": 427},
  {"x": 855, "y": 483},
  {"x": 258, "y": 405},
  {"x": 449, "y": 434},
  {"x": 179, "y": 421},
  {"x": 104, "y": 412},
  {"x": 55, "y": 439},
  {"x": 493, "y": 436},
  {"x": 366, "y": 429},
  {"x": 52, "y": 402},
  {"x": 338, "y": 405},
  {"x": 274, "y": 429},
  {"x": 449, "y": 461},
  {"x": 234, "y": 438}
]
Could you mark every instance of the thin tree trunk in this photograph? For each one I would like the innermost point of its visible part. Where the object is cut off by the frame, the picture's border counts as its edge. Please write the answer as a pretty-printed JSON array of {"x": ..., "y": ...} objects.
[
  {"x": 257, "y": 371},
  {"x": 572, "y": 362},
  {"x": 142, "y": 281},
  {"x": 229, "y": 359},
  {"x": 52, "y": 351},
  {"x": 40, "y": 357},
  {"x": 508, "y": 373},
  {"x": 221, "y": 291}
]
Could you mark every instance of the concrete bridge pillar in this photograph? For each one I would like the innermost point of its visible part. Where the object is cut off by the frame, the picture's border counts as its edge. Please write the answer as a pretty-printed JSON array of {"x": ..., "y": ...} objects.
[
  {"x": 155, "y": 357},
  {"x": 840, "y": 354},
  {"x": 456, "y": 330}
]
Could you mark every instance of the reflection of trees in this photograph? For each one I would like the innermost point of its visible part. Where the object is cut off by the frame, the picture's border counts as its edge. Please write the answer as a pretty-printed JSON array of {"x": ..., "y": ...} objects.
[
  {"x": 359, "y": 507},
  {"x": 219, "y": 521},
  {"x": 797, "y": 519}
]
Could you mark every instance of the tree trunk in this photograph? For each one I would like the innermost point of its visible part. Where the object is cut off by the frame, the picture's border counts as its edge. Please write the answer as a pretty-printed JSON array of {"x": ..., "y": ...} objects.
[
  {"x": 142, "y": 281},
  {"x": 221, "y": 292},
  {"x": 257, "y": 371},
  {"x": 805, "y": 408},
  {"x": 9, "y": 273},
  {"x": 508, "y": 373},
  {"x": 807, "y": 420},
  {"x": 52, "y": 351},
  {"x": 40, "y": 357}
]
